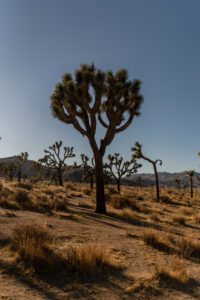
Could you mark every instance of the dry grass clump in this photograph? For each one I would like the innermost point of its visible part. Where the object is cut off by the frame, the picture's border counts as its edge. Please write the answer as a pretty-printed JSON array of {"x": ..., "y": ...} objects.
[
  {"x": 176, "y": 272},
  {"x": 166, "y": 199},
  {"x": 70, "y": 186},
  {"x": 187, "y": 211},
  {"x": 169, "y": 274},
  {"x": 46, "y": 203},
  {"x": 88, "y": 259},
  {"x": 189, "y": 247},
  {"x": 31, "y": 242},
  {"x": 23, "y": 198},
  {"x": 128, "y": 215},
  {"x": 87, "y": 191},
  {"x": 84, "y": 204},
  {"x": 154, "y": 239},
  {"x": 119, "y": 202},
  {"x": 179, "y": 220},
  {"x": 197, "y": 218},
  {"x": 26, "y": 186},
  {"x": 154, "y": 217}
]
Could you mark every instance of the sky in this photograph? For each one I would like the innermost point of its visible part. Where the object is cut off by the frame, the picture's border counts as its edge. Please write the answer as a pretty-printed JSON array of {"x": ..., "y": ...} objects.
[{"x": 157, "y": 41}]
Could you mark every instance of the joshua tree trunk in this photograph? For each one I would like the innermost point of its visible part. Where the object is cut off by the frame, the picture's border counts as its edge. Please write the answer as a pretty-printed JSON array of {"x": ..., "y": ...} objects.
[
  {"x": 100, "y": 194},
  {"x": 19, "y": 175},
  {"x": 157, "y": 183},
  {"x": 60, "y": 180},
  {"x": 118, "y": 186}
]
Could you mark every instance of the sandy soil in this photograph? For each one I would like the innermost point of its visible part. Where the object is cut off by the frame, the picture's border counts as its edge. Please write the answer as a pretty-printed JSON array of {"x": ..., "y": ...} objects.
[{"x": 122, "y": 238}]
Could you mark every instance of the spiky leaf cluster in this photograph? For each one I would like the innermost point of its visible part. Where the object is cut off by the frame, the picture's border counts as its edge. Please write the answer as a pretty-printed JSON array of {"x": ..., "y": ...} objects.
[{"x": 96, "y": 95}]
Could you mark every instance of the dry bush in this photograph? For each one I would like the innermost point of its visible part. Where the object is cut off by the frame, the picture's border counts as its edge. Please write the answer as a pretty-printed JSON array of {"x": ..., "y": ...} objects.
[
  {"x": 88, "y": 259},
  {"x": 128, "y": 215},
  {"x": 197, "y": 218},
  {"x": 187, "y": 211},
  {"x": 50, "y": 203},
  {"x": 84, "y": 204},
  {"x": 119, "y": 202},
  {"x": 154, "y": 239},
  {"x": 31, "y": 242},
  {"x": 70, "y": 186},
  {"x": 154, "y": 217},
  {"x": 166, "y": 199},
  {"x": 173, "y": 273},
  {"x": 189, "y": 247},
  {"x": 112, "y": 190},
  {"x": 179, "y": 220},
  {"x": 87, "y": 191},
  {"x": 26, "y": 186},
  {"x": 22, "y": 197}
]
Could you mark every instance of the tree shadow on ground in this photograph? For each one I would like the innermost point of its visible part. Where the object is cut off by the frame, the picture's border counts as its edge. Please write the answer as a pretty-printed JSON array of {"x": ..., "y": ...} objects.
[{"x": 65, "y": 283}]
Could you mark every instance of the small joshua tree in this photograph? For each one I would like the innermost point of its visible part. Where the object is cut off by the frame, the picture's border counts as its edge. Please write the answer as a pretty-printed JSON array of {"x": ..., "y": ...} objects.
[
  {"x": 138, "y": 154},
  {"x": 88, "y": 169},
  {"x": 55, "y": 158},
  {"x": 9, "y": 170},
  {"x": 178, "y": 184},
  {"x": 94, "y": 98},
  {"x": 19, "y": 163},
  {"x": 191, "y": 175},
  {"x": 117, "y": 168}
]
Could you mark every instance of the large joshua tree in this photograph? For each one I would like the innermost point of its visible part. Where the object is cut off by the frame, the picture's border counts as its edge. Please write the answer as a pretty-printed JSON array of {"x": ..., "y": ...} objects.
[
  {"x": 91, "y": 98},
  {"x": 117, "y": 168},
  {"x": 55, "y": 158},
  {"x": 138, "y": 154}
]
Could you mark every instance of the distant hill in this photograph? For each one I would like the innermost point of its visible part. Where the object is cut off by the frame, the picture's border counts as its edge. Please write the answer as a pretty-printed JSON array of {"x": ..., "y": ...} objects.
[
  {"x": 76, "y": 174},
  {"x": 165, "y": 179}
]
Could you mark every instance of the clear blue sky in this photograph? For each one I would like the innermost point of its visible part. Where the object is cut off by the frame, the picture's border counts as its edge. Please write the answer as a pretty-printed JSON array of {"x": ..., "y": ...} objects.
[{"x": 158, "y": 41}]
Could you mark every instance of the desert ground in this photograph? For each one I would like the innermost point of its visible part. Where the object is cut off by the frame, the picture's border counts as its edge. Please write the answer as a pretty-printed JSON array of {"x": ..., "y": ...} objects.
[{"x": 53, "y": 245}]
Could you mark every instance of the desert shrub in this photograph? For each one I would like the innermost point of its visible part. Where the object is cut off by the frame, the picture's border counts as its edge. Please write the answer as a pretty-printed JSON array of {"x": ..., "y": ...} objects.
[
  {"x": 84, "y": 204},
  {"x": 31, "y": 242},
  {"x": 26, "y": 186},
  {"x": 155, "y": 218},
  {"x": 119, "y": 202},
  {"x": 179, "y": 220},
  {"x": 70, "y": 186},
  {"x": 22, "y": 197},
  {"x": 175, "y": 273},
  {"x": 189, "y": 247},
  {"x": 168, "y": 274},
  {"x": 197, "y": 218},
  {"x": 88, "y": 259},
  {"x": 87, "y": 192},
  {"x": 166, "y": 199},
  {"x": 154, "y": 239},
  {"x": 112, "y": 190},
  {"x": 128, "y": 215}
]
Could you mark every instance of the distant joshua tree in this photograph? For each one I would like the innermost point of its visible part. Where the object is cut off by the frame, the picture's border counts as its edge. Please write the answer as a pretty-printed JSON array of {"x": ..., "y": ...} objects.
[
  {"x": 117, "y": 168},
  {"x": 10, "y": 170},
  {"x": 191, "y": 175},
  {"x": 55, "y": 158},
  {"x": 19, "y": 163},
  {"x": 88, "y": 169},
  {"x": 93, "y": 98},
  {"x": 138, "y": 154},
  {"x": 178, "y": 184}
]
